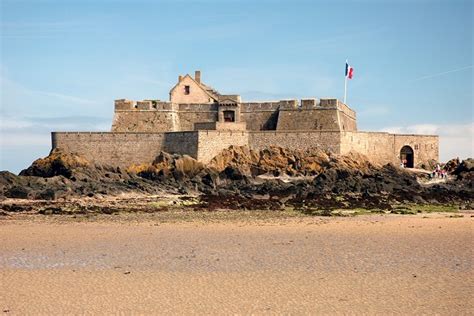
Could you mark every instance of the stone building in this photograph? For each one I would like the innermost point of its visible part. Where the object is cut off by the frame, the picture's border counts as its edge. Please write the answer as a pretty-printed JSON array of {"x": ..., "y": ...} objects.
[{"x": 200, "y": 122}]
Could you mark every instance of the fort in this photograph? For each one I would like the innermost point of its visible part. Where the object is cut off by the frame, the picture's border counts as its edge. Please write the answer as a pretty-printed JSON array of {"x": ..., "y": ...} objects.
[{"x": 200, "y": 122}]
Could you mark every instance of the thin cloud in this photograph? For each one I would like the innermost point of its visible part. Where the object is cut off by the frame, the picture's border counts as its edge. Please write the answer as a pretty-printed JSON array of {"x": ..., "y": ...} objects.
[
  {"x": 24, "y": 140},
  {"x": 441, "y": 73},
  {"x": 38, "y": 125},
  {"x": 66, "y": 97},
  {"x": 456, "y": 140},
  {"x": 8, "y": 84}
]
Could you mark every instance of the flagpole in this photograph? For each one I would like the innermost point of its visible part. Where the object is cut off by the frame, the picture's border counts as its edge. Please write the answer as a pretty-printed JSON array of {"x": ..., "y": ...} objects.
[
  {"x": 345, "y": 83},
  {"x": 345, "y": 89}
]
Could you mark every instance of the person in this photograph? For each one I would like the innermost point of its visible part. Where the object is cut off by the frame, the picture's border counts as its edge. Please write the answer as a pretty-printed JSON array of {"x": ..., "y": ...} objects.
[{"x": 438, "y": 170}]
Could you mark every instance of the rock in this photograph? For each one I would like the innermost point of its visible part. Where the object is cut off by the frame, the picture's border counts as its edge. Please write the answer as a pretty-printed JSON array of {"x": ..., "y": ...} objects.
[
  {"x": 239, "y": 177},
  {"x": 186, "y": 166},
  {"x": 7, "y": 178},
  {"x": 450, "y": 166},
  {"x": 48, "y": 194},
  {"x": 56, "y": 163},
  {"x": 272, "y": 160},
  {"x": 17, "y": 192},
  {"x": 233, "y": 173},
  {"x": 464, "y": 168}
]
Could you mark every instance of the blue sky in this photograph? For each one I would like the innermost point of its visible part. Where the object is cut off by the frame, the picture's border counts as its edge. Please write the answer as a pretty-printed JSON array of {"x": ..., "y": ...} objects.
[{"x": 64, "y": 62}]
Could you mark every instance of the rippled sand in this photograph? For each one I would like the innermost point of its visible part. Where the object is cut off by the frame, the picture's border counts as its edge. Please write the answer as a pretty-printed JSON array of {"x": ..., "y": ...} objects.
[{"x": 362, "y": 265}]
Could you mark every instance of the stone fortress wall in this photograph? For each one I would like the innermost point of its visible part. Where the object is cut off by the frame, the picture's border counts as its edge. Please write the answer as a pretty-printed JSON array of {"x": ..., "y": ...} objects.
[
  {"x": 193, "y": 122},
  {"x": 308, "y": 114},
  {"x": 123, "y": 149}
]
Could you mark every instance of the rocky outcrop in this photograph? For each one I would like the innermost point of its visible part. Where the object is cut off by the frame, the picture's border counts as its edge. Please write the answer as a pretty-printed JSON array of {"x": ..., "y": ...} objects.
[
  {"x": 240, "y": 177},
  {"x": 272, "y": 160},
  {"x": 65, "y": 175},
  {"x": 57, "y": 163}
]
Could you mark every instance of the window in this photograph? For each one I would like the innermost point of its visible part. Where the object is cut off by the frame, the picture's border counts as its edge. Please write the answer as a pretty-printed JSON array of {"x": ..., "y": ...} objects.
[
  {"x": 229, "y": 116},
  {"x": 187, "y": 89}
]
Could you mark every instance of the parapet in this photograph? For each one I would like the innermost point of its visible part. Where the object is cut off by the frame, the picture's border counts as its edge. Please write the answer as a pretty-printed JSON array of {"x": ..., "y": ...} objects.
[
  {"x": 221, "y": 126},
  {"x": 124, "y": 104},
  {"x": 346, "y": 109},
  {"x": 164, "y": 106},
  {"x": 336, "y": 104},
  {"x": 144, "y": 105},
  {"x": 260, "y": 106},
  {"x": 288, "y": 104},
  {"x": 329, "y": 103},
  {"x": 308, "y": 104},
  {"x": 194, "y": 107}
]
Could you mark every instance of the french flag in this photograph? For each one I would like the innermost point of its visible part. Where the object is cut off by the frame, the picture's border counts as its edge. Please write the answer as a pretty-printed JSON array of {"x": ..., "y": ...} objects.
[{"x": 349, "y": 71}]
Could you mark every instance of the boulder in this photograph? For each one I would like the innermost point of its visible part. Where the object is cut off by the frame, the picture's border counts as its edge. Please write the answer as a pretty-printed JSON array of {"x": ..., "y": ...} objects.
[
  {"x": 18, "y": 192},
  {"x": 58, "y": 162}
]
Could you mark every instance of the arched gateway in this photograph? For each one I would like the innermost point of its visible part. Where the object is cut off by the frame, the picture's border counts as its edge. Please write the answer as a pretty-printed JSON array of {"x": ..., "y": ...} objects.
[{"x": 407, "y": 157}]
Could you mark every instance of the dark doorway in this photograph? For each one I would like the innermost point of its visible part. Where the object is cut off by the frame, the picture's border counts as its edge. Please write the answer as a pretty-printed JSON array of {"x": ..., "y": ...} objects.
[
  {"x": 229, "y": 116},
  {"x": 406, "y": 156}
]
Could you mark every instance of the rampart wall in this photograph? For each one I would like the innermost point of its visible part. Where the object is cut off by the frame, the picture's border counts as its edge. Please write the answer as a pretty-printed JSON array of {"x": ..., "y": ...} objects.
[
  {"x": 188, "y": 119},
  {"x": 124, "y": 149},
  {"x": 118, "y": 149},
  {"x": 158, "y": 116},
  {"x": 383, "y": 148},
  {"x": 184, "y": 143},
  {"x": 325, "y": 140},
  {"x": 308, "y": 119},
  {"x": 146, "y": 121},
  {"x": 212, "y": 143},
  {"x": 346, "y": 122},
  {"x": 426, "y": 147}
]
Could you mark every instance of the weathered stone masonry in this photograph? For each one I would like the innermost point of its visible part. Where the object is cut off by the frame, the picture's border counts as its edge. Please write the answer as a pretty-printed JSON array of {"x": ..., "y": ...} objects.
[{"x": 200, "y": 122}]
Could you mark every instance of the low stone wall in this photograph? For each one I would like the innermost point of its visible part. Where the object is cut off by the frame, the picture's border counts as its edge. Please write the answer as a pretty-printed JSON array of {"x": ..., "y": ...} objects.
[
  {"x": 378, "y": 147},
  {"x": 184, "y": 143},
  {"x": 117, "y": 149},
  {"x": 383, "y": 148},
  {"x": 212, "y": 143},
  {"x": 124, "y": 149},
  {"x": 325, "y": 140},
  {"x": 425, "y": 147}
]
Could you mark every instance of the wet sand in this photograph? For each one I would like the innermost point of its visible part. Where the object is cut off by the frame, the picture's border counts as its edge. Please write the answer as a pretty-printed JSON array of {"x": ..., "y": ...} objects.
[{"x": 359, "y": 265}]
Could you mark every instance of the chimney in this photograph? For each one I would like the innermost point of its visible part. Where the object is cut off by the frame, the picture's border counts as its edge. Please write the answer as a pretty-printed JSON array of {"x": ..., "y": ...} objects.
[
  {"x": 180, "y": 78},
  {"x": 197, "y": 76}
]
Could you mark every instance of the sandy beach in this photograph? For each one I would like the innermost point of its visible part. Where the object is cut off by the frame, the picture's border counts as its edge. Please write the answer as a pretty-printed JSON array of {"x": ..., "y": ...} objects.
[{"x": 375, "y": 264}]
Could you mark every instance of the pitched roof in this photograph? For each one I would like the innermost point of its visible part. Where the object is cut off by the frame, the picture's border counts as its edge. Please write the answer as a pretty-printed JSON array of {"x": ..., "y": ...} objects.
[{"x": 209, "y": 90}]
